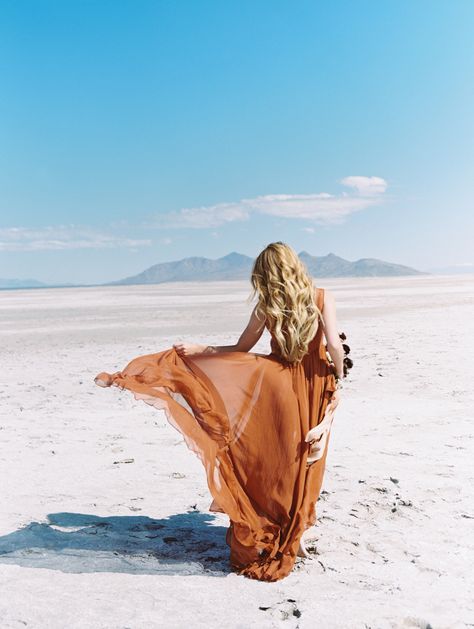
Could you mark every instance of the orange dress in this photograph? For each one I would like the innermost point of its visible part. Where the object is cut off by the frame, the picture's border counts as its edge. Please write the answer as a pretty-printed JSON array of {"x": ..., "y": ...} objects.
[{"x": 246, "y": 416}]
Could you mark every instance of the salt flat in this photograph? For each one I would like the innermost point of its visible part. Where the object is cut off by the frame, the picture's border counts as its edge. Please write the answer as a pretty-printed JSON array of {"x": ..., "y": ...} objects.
[{"x": 104, "y": 520}]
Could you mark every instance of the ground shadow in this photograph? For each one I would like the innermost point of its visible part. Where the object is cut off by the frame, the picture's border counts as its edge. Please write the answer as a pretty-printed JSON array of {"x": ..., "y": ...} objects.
[{"x": 186, "y": 543}]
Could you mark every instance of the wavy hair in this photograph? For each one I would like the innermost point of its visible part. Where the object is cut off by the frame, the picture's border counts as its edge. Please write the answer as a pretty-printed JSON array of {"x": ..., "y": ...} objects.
[{"x": 285, "y": 294}]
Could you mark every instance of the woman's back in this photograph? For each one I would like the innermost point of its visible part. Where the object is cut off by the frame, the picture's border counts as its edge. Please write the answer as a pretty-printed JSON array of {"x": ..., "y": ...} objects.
[{"x": 315, "y": 342}]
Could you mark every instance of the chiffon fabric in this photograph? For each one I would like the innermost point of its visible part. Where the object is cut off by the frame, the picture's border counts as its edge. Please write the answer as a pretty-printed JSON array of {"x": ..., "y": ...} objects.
[{"x": 246, "y": 416}]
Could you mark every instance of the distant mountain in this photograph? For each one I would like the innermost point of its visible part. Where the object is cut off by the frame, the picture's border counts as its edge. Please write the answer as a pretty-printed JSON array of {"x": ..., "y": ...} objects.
[
  {"x": 236, "y": 266},
  {"x": 15, "y": 283},
  {"x": 233, "y": 266},
  {"x": 334, "y": 266}
]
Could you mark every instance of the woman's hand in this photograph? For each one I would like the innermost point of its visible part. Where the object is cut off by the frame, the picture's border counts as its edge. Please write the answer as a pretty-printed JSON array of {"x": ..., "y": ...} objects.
[
  {"x": 317, "y": 437},
  {"x": 188, "y": 349}
]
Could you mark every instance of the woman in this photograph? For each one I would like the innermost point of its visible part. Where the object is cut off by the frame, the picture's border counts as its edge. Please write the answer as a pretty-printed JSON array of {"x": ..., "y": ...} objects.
[{"x": 259, "y": 422}]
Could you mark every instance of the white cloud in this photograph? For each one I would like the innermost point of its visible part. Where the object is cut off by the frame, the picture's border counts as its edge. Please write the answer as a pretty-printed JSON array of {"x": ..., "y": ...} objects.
[
  {"x": 61, "y": 238},
  {"x": 319, "y": 208},
  {"x": 202, "y": 217},
  {"x": 366, "y": 186},
  {"x": 322, "y": 207}
]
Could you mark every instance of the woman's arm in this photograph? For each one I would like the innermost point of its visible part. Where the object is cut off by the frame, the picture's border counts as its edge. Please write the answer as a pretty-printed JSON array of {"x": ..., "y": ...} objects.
[
  {"x": 330, "y": 329},
  {"x": 247, "y": 340}
]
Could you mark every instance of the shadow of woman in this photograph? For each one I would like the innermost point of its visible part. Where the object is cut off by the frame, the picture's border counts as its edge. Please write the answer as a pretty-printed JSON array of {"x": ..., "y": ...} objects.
[{"x": 186, "y": 544}]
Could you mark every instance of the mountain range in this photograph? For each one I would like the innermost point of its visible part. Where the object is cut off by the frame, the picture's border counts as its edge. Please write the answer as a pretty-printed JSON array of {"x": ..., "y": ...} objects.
[{"x": 235, "y": 266}]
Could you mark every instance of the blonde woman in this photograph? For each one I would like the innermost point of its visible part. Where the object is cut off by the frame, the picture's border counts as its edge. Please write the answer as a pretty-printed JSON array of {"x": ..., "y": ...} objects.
[{"x": 259, "y": 422}]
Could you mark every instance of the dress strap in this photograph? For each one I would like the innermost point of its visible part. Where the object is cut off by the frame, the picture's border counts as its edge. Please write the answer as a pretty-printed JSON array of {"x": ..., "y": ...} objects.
[{"x": 320, "y": 299}]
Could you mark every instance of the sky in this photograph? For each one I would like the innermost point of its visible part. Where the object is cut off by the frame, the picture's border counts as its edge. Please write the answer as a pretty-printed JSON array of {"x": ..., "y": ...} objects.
[{"x": 134, "y": 132}]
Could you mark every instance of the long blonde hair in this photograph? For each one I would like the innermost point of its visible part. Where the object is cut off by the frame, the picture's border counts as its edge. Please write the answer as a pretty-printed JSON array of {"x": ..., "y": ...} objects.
[{"x": 286, "y": 299}]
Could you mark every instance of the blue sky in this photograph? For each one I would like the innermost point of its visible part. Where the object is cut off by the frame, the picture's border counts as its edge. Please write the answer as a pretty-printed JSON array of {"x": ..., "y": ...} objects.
[{"x": 136, "y": 132}]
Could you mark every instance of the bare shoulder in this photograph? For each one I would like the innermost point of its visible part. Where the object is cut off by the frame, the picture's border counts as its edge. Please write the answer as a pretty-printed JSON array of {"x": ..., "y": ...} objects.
[
  {"x": 326, "y": 295},
  {"x": 329, "y": 296},
  {"x": 329, "y": 302},
  {"x": 257, "y": 318}
]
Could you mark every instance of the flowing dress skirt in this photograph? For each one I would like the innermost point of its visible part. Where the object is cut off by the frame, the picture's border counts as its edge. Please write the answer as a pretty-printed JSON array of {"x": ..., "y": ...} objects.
[{"x": 246, "y": 416}]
